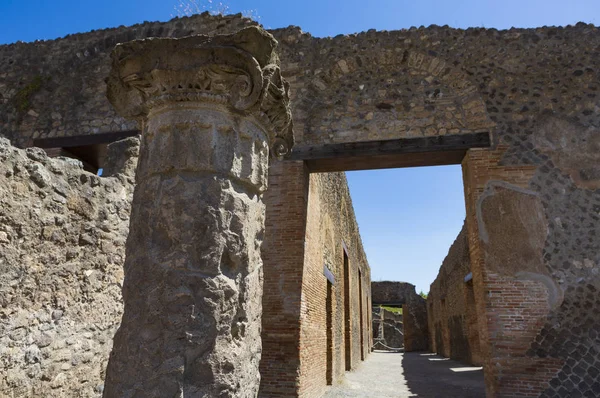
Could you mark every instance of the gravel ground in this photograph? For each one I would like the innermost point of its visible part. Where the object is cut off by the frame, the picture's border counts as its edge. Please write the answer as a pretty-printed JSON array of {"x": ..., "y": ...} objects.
[{"x": 413, "y": 374}]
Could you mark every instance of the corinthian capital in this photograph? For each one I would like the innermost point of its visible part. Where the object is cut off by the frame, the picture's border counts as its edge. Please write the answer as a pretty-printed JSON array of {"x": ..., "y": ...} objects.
[{"x": 238, "y": 73}]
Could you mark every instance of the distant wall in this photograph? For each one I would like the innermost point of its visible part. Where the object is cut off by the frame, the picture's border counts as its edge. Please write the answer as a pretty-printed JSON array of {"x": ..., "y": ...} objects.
[
  {"x": 415, "y": 325},
  {"x": 394, "y": 293},
  {"x": 414, "y": 311}
]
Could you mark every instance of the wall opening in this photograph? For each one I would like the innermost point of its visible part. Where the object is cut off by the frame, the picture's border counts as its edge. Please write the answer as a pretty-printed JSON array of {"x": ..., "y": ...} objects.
[
  {"x": 362, "y": 320},
  {"x": 329, "y": 326},
  {"x": 472, "y": 324},
  {"x": 347, "y": 317},
  {"x": 428, "y": 204},
  {"x": 91, "y": 150}
]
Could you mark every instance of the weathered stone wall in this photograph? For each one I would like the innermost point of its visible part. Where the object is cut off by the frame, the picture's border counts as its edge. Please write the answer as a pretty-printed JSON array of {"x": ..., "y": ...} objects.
[
  {"x": 394, "y": 293},
  {"x": 453, "y": 328},
  {"x": 373, "y": 85},
  {"x": 414, "y": 311},
  {"x": 415, "y": 325},
  {"x": 331, "y": 231},
  {"x": 62, "y": 235}
]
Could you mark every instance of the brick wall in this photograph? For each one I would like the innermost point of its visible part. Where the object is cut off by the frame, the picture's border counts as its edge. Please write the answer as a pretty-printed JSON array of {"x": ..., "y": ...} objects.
[
  {"x": 310, "y": 223},
  {"x": 510, "y": 312},
  {"x": 283, "y": 254},
  {"x": 516, "y": 311},
  {"x": 453, "y": 328},
  {"x": 332, "y": 232}
]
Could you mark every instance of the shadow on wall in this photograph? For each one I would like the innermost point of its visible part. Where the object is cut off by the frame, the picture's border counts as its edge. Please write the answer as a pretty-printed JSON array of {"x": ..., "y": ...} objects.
[{"x": 428, "y": 375}]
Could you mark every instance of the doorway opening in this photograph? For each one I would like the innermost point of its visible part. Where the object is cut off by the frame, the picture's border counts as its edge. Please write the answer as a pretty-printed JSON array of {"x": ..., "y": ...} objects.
[
  {"x": 320, "y": 196},
  {"x": 408, "y": 220},
  {"x": 347, "y": 318},
  {"x": 361, "y": 318},
  {"x": 329, "y": 326}
]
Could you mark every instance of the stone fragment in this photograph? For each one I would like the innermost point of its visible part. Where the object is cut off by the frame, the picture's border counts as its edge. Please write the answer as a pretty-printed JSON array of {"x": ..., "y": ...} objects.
[
  {"x": 44, "y": 340},
  {"x": 343, "y": 66},
  {"x": 32, "y": 354},
  {"x": 59, "y": 381},
  {"x": 37, "y": 154},
  {"x": 86, "y": 239},
  {"x": 57, "y": 314},
  {"x": 38, "y": 175}
]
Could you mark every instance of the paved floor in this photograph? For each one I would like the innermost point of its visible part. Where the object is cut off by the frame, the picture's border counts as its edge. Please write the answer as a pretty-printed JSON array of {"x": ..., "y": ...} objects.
[{"x": 413, "y": 374}]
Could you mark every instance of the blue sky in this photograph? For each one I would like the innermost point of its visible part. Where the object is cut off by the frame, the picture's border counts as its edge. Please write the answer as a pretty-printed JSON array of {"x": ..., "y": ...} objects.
[
  {"x": 408, "y": 217},
  {"x": 47, "y": 19}
]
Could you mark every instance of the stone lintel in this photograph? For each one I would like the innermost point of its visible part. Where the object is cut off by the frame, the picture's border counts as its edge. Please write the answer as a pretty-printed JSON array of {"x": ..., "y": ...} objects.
[{"x": 404, "y": 152}]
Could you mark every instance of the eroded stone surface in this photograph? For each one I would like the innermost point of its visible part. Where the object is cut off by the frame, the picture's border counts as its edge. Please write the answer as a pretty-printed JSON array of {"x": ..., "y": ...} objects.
[{"x": 387, "y": 85}]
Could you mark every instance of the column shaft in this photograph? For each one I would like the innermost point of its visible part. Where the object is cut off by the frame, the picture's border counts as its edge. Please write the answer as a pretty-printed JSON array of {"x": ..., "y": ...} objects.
[{"x": 211, "y": 109}]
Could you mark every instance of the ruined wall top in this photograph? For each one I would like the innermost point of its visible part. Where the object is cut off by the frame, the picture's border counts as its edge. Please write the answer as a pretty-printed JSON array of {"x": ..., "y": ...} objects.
[
  {"x": 386, "y": 292},
  {"x": 367, "y": 86}
]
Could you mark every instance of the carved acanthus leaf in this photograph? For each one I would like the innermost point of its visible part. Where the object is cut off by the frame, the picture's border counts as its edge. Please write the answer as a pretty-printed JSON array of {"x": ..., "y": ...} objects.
[
  {"x": 276, "y": 107},
  {"x": 223, "y": 83}
]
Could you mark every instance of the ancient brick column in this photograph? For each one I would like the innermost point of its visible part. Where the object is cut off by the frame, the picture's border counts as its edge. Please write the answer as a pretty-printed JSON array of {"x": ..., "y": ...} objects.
[{"x": 212, "y": 111}]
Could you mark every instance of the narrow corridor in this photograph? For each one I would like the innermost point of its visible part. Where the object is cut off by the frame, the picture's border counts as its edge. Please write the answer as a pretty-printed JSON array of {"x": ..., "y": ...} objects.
[{"x": 413, "y": 374}]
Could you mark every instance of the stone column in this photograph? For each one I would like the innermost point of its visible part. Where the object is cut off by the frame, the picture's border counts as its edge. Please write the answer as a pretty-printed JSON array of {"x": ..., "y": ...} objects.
[{"x": 212, "y": 110}]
